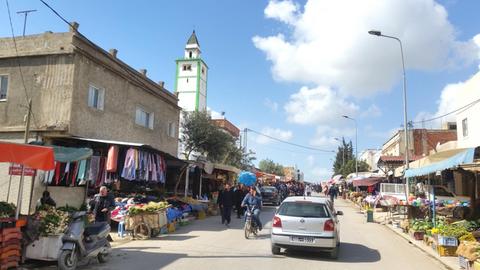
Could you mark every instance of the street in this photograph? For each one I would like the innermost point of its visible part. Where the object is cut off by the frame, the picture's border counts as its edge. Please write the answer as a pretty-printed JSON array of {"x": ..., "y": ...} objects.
[{"x": 207, "y": 244}]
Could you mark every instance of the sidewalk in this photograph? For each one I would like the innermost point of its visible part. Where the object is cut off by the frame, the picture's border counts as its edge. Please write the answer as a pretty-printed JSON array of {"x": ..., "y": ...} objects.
[{"x": 380, "y": 218}]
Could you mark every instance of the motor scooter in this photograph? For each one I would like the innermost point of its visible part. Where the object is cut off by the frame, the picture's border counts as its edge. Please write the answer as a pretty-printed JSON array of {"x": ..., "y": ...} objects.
[
  {"x": 250, "y": 226},
  {"x": 81, "y": 241}
]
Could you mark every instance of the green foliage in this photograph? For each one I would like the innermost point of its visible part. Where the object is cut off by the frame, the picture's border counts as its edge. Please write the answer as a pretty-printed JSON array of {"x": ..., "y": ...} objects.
[
  {"x": 344, "y": 163},
  {"x": 200, "y": 135},
  {"x": 421, "y": 225},
  {"x": 7, "y": 210},
  {"x": 268, "y": 166}
]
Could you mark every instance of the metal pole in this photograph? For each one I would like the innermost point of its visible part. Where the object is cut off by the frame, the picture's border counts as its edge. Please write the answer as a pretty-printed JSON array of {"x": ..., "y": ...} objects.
[
  {"x": 201, "y": 182},
  {"x": 356, "y": 147},
  {"x": 187, "y": 180},
  {"x": 20, "y": 187}
]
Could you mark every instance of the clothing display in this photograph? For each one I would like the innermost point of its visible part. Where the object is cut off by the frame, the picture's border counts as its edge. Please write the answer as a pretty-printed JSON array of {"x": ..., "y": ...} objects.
[
  {"x": 141, "y": 165},
  {"x": 132, "y": 164}
]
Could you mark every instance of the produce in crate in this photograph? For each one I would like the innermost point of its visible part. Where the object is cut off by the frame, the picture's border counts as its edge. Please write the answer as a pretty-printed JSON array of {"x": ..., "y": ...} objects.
[
  {"x": 7, "y": 210},
  {"x": 151, "y": 207}
]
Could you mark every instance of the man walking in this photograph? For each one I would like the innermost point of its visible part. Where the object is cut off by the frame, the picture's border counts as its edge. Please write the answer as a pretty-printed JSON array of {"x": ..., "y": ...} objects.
[
  {"x": 239, "y": 195},
  {"x": 101, "y": 205},
  {"x": 226, "y": 203}
]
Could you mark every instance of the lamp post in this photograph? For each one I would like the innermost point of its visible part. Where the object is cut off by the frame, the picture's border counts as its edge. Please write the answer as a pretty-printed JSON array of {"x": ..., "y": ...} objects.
[
  {"x": 405, "y": 121},
  {"x": 356, "y": 142},
  {"x": 343, "y": 152}
]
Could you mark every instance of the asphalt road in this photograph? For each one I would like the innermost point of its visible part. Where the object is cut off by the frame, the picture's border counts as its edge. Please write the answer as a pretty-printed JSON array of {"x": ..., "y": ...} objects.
[{"x": 207, "y": 244}]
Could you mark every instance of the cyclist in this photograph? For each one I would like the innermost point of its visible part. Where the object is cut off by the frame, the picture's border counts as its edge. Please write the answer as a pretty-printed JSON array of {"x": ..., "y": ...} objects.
[{"x": 253, "y": 200}]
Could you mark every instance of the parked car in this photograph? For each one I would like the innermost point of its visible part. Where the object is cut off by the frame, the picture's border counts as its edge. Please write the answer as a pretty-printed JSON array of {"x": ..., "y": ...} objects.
[
  {"x": 270, "y": 195},
  {"x": 306, "y": 223}
]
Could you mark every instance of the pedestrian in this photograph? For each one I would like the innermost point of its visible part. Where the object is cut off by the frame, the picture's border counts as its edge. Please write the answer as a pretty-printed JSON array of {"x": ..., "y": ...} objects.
[
  {"x": 239, "y": 195},
  {"x": 46, "y": 200},
  {"x": 219, "y": 199},
  {"x": 227, "y": 201},
  {"x": 332, "y": 191},
  {"x": 101, "y": 205}
]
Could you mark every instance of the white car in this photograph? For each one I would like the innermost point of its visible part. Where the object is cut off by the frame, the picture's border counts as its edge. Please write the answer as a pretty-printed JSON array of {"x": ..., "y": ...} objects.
[{"x": 306, "y": 223}]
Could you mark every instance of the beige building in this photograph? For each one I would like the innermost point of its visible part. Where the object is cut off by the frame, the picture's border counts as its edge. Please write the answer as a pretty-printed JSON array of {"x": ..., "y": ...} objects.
[{"x": 80, "y": 90}]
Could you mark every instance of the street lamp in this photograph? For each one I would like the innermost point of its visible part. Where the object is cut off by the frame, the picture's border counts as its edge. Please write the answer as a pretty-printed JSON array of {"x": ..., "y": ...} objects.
[
  {"x": 405, "y": 121},
  {"x": 356, "y": 142},
  {"x": 343, "y": 152}
]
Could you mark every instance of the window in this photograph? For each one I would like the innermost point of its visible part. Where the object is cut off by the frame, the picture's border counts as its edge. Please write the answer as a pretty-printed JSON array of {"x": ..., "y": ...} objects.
[
  {"x": 296, "y": 209},
  {"x": 465, "y": 127},
  {"x": 171, "y": 129},
  {"x": 187, "y": 67},
  {"x": 3, "y": 87},
  {"x": 144, "y": 118},
  {"x": 190, "y": 54},
  {"x": 96, "y": 97},
  {"x": 203, "y": 70}
]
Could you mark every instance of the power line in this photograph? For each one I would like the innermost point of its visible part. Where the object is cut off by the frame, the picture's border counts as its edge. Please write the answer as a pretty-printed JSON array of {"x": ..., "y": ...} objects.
[
  {"x": 447, "y": 114},
  {"x": 290, "y": 143},
  {"x": 27, "y": 98}
]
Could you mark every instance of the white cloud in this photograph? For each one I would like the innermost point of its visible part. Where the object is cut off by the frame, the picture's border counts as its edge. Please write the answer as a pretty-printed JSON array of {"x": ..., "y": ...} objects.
[
  {"x": 453, "y": 97},
  {"x": 285, "y": 11},
  {"x": 372, "y": 111},
  {"x": 284, "y": 135},
  {"x": 325, "y": 135},
  {"x": 322, "y": 174},
  {"x": 214, "y": 114},
  {"x": 329, "y": 44},
  {"x": 272, "y": 105},
  {"x": 310, "y": 160},
  {"x": 319, "y": 105}
]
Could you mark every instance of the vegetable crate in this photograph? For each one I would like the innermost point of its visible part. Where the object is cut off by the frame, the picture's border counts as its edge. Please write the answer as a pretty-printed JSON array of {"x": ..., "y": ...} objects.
[
  {"x": 446, "y": 251},
  {"x": 447, "y": 241},
  {"x": 464, "y": 263},
  {"x": 417, "y": 235}
]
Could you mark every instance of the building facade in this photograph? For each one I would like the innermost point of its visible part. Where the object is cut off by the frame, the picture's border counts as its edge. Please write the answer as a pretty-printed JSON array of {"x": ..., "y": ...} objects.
[
  {"x": 78, "y": 90},
  {"x": 421, "y": 141},
  {"x": 370, "y": 156}
]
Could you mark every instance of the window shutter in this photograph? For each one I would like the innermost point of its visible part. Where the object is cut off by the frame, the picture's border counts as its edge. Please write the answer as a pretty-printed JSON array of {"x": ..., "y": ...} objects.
[
  {"x": 151, "y": 120},
  {"x": 138, "y": 116},
  {"x": 101, "y": 99},
  {"x": 91, "y": 96}
]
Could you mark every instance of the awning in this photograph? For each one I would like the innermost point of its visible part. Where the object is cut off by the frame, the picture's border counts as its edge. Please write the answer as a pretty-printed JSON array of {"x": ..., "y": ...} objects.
[
  {"x": 226, "y": 168},
  {"x": 366, "y": 182},
  {"x": 33, "y": 156},
  {"x": 440, "y": 161},
  {"x": 71, "y": 154}
]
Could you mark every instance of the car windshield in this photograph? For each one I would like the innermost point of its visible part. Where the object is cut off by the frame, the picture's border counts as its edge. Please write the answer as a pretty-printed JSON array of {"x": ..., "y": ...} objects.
[
  {"x": 302, "y": 209},
  {"x": 268, "y": 189}
]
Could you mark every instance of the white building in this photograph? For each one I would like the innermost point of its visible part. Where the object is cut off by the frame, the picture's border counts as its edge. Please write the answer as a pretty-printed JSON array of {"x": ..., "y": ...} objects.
[
  {"x": 371, "y": 156},
  {"x": 468, "y": 127},
  {"x": 191, "y": 78}
]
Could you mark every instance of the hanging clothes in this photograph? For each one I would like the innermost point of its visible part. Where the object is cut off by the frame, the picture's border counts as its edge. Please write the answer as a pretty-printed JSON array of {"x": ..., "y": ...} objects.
[
  {"x": 112, "y": 158},
  {"x": 57, "y": 173},
  {"x": 130, "y": 163},
  {"x": 94, "y": 168},
  {"x": 81, "y": 170}
]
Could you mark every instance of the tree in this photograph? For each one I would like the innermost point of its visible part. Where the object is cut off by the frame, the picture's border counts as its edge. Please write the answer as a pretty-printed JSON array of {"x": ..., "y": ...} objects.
[
  {"x": 268, "y": 166},
  {"x": 344, "y": 163},
  {"x": 196, "y": 132}
]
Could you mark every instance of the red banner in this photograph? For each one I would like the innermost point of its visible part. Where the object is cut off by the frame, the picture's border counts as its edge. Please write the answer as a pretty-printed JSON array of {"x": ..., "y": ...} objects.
[{"x": 16, "y": 169}]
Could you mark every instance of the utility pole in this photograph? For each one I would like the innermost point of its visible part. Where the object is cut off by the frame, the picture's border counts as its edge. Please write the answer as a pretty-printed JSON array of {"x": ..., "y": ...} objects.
[
  {"x": 20, "y": 188},
  {"x": 25, "y": 12}
]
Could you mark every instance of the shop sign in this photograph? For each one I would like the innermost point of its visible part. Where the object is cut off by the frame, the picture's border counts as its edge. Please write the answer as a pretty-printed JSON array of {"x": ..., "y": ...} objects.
[{"x": 16, "y": 169}]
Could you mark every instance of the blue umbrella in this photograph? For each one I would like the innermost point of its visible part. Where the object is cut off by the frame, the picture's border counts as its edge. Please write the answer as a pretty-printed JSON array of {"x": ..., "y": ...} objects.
[{"x": 247, "y": 178}]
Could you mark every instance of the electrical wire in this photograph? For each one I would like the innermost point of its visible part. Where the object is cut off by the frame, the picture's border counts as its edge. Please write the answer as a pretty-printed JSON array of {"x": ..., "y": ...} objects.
[
  {"x": 447, "y": 114},
  {"x": 27, "y": 98},
  {"x": 290, "y": 143}
]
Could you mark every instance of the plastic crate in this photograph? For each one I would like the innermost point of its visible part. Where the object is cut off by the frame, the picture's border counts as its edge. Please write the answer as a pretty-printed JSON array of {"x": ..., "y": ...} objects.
[
  {"x": 464, "y": 263},
  {"x": 446, "y": 251},
  {"x": 447, "y": 241}
]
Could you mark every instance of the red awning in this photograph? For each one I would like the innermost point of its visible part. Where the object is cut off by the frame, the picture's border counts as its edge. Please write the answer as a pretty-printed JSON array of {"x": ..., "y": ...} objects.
[
  {"x": 33, "y": 156},
  {"x": 366, "y": 182}
]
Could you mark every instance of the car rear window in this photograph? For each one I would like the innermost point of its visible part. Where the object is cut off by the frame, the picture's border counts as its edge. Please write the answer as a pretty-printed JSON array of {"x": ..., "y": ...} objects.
[
  {"x": 268, "y": 190},
  {"x": 303, "y": 209}
]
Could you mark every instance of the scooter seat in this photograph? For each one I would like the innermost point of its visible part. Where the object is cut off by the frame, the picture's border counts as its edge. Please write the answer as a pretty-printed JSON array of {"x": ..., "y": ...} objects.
[{"x": 97, "y": 229}]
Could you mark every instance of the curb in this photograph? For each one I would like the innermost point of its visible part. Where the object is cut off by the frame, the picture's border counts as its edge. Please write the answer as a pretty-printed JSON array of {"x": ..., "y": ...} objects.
[{"x": 414, "y": 243}]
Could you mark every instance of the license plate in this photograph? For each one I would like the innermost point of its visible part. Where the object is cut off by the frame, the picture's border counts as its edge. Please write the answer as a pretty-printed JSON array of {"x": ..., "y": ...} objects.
[{"x": 302, "y": 239}]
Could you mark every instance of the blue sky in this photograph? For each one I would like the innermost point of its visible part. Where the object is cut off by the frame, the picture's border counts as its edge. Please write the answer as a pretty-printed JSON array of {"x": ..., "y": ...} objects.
[{"x": 290, "y": 68}]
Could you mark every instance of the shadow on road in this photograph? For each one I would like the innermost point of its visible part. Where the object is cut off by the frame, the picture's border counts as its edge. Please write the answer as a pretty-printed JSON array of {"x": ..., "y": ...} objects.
[{"x": 349, "y": 253}]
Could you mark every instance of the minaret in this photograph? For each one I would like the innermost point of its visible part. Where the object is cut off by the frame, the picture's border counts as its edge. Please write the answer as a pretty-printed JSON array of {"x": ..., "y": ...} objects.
[{"x": 191, "y": 78}]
